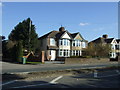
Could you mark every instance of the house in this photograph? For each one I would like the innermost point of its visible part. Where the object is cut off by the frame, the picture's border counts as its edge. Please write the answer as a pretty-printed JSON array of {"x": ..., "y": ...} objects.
[
  {"x": 61, "y": 43},
  {"x": 114, "y": 43}
]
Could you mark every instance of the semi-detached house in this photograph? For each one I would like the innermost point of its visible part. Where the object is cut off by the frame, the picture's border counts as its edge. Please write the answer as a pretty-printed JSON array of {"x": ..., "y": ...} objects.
[
  {"x": 114, "y": 43},
  {"x": 61, "y": 43}
]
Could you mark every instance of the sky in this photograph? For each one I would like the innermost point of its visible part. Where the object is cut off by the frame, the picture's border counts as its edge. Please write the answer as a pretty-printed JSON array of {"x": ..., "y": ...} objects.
[{"x": 91, "y": 19}]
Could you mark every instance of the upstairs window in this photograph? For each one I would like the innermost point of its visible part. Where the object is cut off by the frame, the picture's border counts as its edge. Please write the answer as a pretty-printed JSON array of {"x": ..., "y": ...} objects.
[
  {"x": 76, "y": 43},
  {"x": 117, "y": 47},
  {"x": 83, "y": 45},
  {"x": 113, "y": 46},
  {"x": 73, "y": 43},
  {"x": 64, "y": 42},
  {"x": 52, "y": 41}
]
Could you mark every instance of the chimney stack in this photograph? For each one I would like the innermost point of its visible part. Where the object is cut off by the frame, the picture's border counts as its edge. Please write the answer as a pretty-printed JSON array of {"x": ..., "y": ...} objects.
[
  {"x": 105, "y": 36},
  {"x": 61, "y": 29}
]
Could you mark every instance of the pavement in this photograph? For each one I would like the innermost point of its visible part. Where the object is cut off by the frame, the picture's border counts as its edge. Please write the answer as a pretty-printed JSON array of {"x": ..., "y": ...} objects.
[{"x": 20, "y": 68}]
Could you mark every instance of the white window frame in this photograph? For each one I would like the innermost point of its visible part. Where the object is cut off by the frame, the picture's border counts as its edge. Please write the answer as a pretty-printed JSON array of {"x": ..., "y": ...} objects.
[
  {"x": 65, "y": 42},
  {"x": 51, "y": 42},
  {"x": 76, "y": 43},
  {"x": 64, "y": 51},
  {"x": 83, "y": 45}
]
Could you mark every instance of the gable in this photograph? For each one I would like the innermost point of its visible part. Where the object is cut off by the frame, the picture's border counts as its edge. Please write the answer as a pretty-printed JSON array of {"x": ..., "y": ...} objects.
[
  {"x": 65, "y": 35},
  {"x": 78, "y": 37},
  {"x": 114, "y": 41}
]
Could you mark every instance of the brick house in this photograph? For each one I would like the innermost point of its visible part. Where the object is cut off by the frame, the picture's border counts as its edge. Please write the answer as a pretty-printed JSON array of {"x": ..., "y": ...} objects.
[
  {"x": 114, "y": 43},
  {"x": 62, "y": 44}
]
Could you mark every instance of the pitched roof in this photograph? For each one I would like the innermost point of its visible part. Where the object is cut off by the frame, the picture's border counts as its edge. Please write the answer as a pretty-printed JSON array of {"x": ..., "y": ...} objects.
[
  {"x": 74, "y": 35},
  {"x": 58, "y": 34},
  {"x": 109, "y": 40},
  {"x": 118, "y": 40},
  {"x": 98, "y": 40},
  {"x": 50, "y": 34},
  {"x": 102, "y": 40}
]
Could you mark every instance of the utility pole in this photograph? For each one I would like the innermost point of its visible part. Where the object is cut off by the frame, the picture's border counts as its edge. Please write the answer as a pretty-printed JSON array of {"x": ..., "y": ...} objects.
[{"x": 29, "y": 34}]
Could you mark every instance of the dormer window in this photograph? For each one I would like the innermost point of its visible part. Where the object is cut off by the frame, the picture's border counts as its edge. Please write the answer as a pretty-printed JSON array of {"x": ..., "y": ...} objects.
[{"x": 52, "y": 41}]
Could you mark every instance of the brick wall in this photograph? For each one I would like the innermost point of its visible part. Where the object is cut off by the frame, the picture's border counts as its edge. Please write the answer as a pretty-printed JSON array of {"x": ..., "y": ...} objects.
[{"x": 85, "y": 60}]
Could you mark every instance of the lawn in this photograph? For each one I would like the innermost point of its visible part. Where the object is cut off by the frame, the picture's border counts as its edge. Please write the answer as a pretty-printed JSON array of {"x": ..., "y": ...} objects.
[{"x": 33, "y": 63}]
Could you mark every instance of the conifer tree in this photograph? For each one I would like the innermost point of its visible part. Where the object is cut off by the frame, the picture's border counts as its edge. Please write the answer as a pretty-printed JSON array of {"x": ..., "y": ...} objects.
[{"x": 25, "y": 32}]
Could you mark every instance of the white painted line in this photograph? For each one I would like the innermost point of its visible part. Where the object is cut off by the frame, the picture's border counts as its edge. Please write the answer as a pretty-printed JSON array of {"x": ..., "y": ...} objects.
[
  {"x": 95, "y": 74},
  {"x": 8, "y": 82},
  {"x": 54, "y": 80},
  {"x": 118, "y": 71}
]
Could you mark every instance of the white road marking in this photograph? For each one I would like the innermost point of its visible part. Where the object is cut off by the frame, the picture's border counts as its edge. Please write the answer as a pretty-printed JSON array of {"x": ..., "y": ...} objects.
[
  {"x": 95, "y": 74},
  {"x": 8, "y": 82},
  {"x": 54, "y": 80},
  {"x": 51, "y": 82}
]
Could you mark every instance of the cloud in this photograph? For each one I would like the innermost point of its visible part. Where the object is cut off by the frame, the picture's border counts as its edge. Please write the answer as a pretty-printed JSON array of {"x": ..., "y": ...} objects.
[{"x": 83, "y": 24}]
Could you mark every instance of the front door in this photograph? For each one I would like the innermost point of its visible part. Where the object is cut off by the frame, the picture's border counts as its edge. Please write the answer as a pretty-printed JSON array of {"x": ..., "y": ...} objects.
[{"x": 53, "y": 54}]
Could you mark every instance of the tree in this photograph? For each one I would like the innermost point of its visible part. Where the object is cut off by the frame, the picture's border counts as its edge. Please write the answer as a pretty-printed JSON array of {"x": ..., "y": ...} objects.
[
  {"x": 19, "y": 51},
  {"x": 97, "y": 50},
  {"x": 25, "y": 32},
  {"x": 8, "y": 50}
]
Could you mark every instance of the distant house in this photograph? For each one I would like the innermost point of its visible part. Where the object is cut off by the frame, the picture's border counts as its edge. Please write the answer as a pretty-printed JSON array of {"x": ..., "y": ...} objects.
[
  {"x": 62, "y": 44},
  {"x": 115, "y": 44}
]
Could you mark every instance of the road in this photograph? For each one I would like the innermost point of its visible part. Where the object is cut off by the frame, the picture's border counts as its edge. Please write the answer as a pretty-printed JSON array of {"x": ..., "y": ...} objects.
[
  {"x": 97, "y": 79},
  {"x": 17, "y": 68}
]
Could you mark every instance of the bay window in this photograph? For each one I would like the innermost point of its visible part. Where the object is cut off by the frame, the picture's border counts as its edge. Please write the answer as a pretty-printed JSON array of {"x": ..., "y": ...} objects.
[
  {"x": 76, "y": 43},
  {"x": 76, "y": 53},
  {"x": 64, "y": 42},
  {"x": 64, "y": 52}
]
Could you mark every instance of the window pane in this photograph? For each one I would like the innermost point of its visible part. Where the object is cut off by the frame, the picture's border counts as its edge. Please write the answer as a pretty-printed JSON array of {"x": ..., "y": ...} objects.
[
  {"x": 52, "y": 41},
  {"x": 73, "y": 43},
  {"x": 77, "y": 53},
  {"x": 60, "y": 52}
]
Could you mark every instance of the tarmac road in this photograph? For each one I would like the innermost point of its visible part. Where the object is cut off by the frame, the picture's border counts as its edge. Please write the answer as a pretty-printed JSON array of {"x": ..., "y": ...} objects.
[
  {"x": 17, "y": 68},
  {"x": 104, "y": 79}
]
